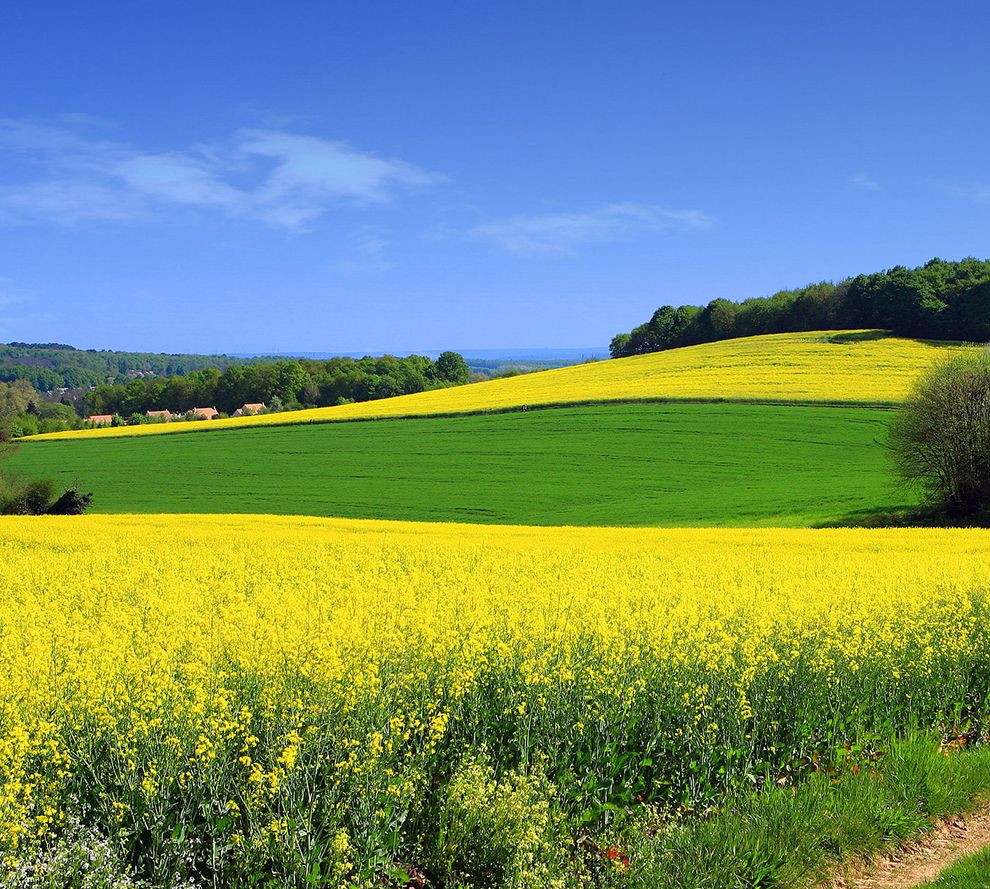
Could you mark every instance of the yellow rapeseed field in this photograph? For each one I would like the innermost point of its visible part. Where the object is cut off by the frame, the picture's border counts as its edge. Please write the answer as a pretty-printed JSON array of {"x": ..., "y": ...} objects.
[
  {"x": 256, "y": 695},
  {"x": 818, "y": 366}
]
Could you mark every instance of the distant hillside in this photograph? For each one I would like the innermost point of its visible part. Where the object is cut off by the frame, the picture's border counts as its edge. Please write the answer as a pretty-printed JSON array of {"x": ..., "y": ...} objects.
[
  {"x": 538, "y": 355},
  {"x": 486, "y": 363},
  {"x": 140, "y": 394},
  {"x": 939, "y": 301},
  {"x": 855, "y": 367},
  {"x": 52, "y": 367},
  {"x": 48, "y": 366}
]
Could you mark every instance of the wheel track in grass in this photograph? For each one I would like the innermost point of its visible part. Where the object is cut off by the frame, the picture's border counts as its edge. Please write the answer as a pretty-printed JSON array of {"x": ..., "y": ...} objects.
[{"x": 916, "y": 864}]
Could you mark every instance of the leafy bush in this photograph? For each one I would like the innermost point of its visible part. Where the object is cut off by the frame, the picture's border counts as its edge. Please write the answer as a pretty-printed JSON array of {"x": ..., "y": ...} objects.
[
  {"x": 30, "y": 497},
  {"x": 499, "y": 832},
  {"x": 942, "y": 437},
  {"x": 72, "y": 502},
  {"x": 20, "y": 496}
]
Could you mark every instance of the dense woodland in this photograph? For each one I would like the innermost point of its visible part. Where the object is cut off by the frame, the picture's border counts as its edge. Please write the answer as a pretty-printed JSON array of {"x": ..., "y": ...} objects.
[{"x": 939, "y": 300}]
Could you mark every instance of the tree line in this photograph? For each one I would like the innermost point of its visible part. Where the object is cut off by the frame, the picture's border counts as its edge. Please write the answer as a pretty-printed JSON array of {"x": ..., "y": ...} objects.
[
  {"x": 282, "y": 385},
  {"x": 938, "y": 300}
]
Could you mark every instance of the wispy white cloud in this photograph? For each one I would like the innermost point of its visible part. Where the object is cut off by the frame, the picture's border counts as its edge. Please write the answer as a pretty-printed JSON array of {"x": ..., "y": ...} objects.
[
  {"x": 66, "y": 201},
  {"x": 285, "y": 179},
  {"x": 565, "y": 233},
  {"x": 866, "y": 183},
  {"x": 179, "y": 179},
  {"x": 309, "y": 172},
  {"x": 973, "y": 191}
]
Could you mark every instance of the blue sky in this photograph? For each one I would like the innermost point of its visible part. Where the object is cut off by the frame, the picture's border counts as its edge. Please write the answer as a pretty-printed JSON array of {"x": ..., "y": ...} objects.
[{"x": 245, "y": 176}]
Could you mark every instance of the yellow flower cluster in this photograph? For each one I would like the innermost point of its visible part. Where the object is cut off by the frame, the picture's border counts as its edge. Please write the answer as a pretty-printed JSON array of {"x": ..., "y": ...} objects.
[
  {"x": 817, "y": 366},
  {"x": 295, "y": 675}
]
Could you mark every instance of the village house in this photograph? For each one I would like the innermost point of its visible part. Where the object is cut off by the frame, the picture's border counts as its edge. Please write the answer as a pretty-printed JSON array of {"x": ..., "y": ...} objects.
[
  {"x": 161, "y": 415},
  {"x": 249, "y": 409},
  {"x": 205, "y": 413},
  {"x": 100, "y": 419}
]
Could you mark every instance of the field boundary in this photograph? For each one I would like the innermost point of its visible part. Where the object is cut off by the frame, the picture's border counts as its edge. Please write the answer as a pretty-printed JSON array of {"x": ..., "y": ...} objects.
[
  {"x": 951, "y": 839},
  {"x": 204, "y": 426}
]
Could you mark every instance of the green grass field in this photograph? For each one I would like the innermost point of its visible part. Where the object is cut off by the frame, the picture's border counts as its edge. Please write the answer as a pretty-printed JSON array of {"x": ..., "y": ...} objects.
[
  {"x": 970, "y": 873},
  {"x": 647, "y": 464}
]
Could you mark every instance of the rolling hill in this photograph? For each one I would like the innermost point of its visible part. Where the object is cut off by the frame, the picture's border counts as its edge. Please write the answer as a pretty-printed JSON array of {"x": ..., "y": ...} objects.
[
  {"x": 782, "y": 430},
  {"x": 852, "y": 367}
]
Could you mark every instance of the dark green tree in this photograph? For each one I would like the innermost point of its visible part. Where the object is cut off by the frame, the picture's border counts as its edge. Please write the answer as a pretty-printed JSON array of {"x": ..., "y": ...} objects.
[
  {"x": 619, "y": 347},
  {"x": 452, "y": 368},
  {"x": 720, "y": 317}
]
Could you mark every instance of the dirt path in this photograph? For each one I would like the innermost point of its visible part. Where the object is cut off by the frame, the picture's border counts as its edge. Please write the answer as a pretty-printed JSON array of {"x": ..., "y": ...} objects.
[{"x": 920, "y": 862}]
